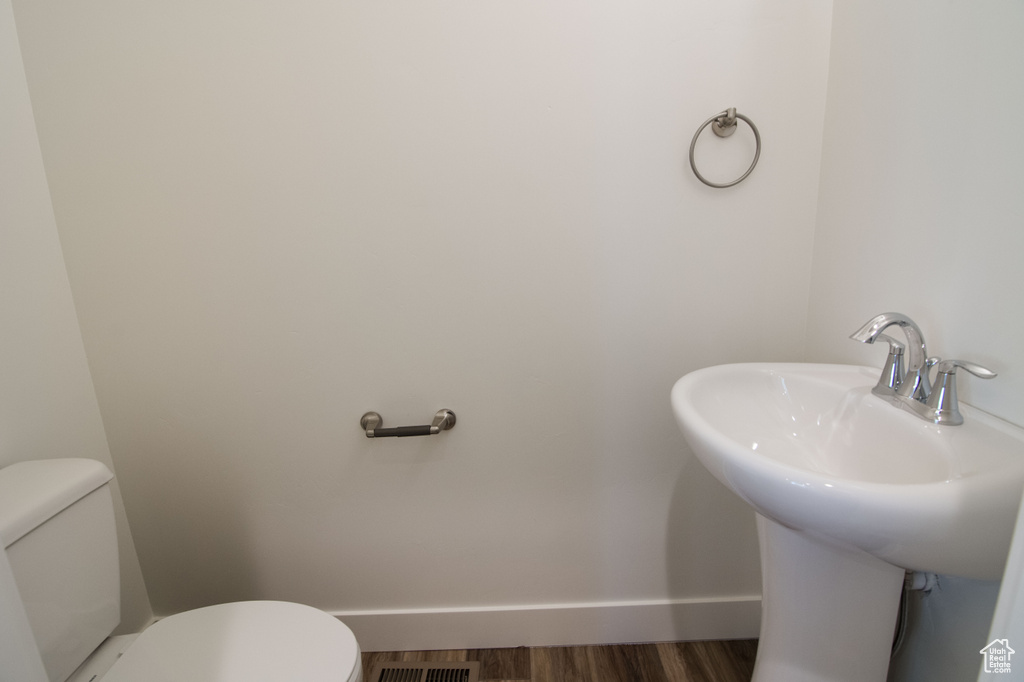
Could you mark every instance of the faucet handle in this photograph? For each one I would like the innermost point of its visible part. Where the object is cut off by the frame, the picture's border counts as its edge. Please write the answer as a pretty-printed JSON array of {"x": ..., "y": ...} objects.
[
  {"x": 894, "y": 345},
  {"x": 950, "y": 367},
  {"x": 893, "y": 372},
  {"x": 942, "y": 403}
]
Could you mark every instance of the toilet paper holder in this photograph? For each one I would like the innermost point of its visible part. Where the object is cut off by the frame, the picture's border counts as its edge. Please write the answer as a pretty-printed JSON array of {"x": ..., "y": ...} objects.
[{"x": 372, "y": 423}]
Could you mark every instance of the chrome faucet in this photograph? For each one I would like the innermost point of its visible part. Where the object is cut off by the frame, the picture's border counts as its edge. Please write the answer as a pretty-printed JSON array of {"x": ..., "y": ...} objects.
[
  {"x": 913, "y": 390},
  {"x": 915, "y": 384}
]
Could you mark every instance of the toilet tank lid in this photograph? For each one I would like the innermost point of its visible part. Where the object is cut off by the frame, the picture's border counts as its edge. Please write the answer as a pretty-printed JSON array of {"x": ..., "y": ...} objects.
[{"x": 32, "y": 492}]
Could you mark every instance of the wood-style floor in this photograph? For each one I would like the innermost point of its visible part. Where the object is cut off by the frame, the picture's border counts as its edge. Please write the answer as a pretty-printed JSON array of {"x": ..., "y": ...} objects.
[{"x": 729, "y": 661}]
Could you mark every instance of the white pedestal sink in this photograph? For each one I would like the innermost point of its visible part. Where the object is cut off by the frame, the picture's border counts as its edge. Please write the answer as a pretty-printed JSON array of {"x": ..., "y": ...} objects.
[{"x": 850, "y": 491}]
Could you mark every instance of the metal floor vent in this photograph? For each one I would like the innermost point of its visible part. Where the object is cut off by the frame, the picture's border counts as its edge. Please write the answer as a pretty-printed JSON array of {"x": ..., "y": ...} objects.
[{"x": 444, "y": 671}]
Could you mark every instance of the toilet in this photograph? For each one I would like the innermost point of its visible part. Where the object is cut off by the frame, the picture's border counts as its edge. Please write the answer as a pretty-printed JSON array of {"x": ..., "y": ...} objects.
[{"x": 60, "y": 601}]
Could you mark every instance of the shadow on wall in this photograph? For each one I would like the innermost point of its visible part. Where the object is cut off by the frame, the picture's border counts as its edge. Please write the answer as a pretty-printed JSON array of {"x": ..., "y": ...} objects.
[
  {"x": 700, "y": 554},
  {"x": 956, "y": 615},
  {"x": 199, "y": 535}
]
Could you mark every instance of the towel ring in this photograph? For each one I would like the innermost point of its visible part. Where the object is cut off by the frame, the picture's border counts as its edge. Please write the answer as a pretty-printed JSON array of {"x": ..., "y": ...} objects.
[{"x": 724, "y": 126}]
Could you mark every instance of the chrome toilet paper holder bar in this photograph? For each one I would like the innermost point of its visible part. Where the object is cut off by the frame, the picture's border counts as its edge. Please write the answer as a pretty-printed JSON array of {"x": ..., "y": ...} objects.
[{"x": 372, "y": 423}]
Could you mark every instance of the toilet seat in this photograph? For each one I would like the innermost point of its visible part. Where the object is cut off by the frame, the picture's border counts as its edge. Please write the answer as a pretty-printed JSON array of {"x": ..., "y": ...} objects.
[{"x": 253, "y": 641}]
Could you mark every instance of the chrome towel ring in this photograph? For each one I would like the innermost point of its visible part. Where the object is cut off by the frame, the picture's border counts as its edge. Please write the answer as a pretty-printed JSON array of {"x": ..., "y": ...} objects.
[{"x": 723, "y": 124}]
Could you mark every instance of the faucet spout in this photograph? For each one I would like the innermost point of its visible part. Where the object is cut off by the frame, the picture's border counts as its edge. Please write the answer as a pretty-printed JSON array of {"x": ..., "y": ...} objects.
[{"x": 916, "y": 384}]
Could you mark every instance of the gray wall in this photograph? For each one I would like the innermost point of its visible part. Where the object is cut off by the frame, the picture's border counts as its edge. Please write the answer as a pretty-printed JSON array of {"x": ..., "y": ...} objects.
[{"x": 48, "y": 406}]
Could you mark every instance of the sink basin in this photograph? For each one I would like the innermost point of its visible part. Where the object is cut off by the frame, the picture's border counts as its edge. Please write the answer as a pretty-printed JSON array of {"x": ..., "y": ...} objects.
[
  {"x": 850, "y": 490},
  {"x": 809, "y": 446}
]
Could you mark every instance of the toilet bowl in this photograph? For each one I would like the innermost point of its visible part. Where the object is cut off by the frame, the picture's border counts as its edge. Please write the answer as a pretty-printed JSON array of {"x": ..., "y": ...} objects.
[
  {"x": 60, "y": 590},
  {"x": 241, "y": 642}
]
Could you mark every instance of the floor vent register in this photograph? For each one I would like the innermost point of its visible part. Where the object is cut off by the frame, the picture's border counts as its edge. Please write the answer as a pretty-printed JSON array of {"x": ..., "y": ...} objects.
[{"x": 446, "y": 671}]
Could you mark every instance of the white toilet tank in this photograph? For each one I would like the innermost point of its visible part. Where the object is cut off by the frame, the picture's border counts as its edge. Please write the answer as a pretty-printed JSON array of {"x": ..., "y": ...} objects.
[{"x": 57, "y": 529}]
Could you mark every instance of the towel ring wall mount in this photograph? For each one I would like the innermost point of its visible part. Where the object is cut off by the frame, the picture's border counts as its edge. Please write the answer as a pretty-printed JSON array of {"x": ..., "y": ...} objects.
[{"x": 723, "y": 124}]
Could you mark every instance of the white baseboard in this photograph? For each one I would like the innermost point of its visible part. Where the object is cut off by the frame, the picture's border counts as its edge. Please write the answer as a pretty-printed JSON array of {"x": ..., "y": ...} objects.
[{"x": 555, "y": 624}]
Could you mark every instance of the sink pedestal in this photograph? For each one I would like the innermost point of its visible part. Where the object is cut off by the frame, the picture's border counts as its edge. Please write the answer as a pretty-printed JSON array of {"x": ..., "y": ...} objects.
[{"x": 828, "y": 612}]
